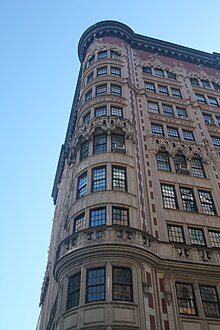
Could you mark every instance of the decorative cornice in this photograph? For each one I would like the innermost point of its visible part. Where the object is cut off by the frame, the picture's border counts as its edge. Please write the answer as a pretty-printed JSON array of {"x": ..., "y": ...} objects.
[{"x": 137, "y": 41}]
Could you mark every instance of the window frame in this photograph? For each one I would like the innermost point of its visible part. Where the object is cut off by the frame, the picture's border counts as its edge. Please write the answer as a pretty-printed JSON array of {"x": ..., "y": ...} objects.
[
  {"x": 98, "y": 180},
  {"x": 188, "y": 199},
  {"x": 84, "y": 187},
  {"x": 99, "y": 218},
  {"x": 81, "y": 219},
  {"x": 175, "y": 236},
  {"x": 120, "y": 282},
  {"x": 191, "y": 300},
  {"x": 210, "y": 204},
  {"x": 97, "y": 286},
  {"x": 124, "y": 218},
  {"x": 163, "y": 164},
  {"x": 71, "y": 294},
  {"x": 173, "y": 198},
  {"x": 121, "y": 183},
  {"x": 100, "y": 147}
]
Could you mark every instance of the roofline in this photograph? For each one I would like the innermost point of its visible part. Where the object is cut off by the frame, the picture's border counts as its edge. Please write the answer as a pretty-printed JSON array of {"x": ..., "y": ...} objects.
[{"x": 138, "y": 41}]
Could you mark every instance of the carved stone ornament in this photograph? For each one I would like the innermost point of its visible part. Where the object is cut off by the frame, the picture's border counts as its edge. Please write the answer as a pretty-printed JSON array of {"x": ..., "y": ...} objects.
[
  {"x": 205, "y": 255},
  {"x": 98, "y": 45},
  {"x": 183, "y": 252},
  {"x": 146, "y": 288},
  {"x": 168, "y": 297},
  {"x": 180, "y": 69}
]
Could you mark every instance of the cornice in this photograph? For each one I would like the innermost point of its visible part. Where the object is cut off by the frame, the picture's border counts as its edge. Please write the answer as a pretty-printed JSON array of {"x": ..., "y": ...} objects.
[{"x": 138, "y": 41}]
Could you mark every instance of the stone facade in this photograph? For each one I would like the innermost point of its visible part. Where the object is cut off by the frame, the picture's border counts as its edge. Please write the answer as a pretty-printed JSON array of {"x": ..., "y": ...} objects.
[{"x": 135, "y": 241}]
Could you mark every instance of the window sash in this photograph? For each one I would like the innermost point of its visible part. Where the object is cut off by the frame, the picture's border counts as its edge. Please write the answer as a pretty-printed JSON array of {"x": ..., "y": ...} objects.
[
  {"x": 84, "y": 152},
  {"x": 196, "y": 236},
  {"x": 116, "y": 90},
  {"x": 100, "y": 143},
  {"x": 102, "y": 54},
  {"x": 99, "y": 112},
  {"x": 157, "y": 129},
  {"x": 210, "y": 301},
  {"x": 99, "y": 179},
  {"x": 207, "y": 202},
  {"x": 118, "y": 139},
  {"x": 119, "y": 180},
  {"x": 176, "y": 92},
  {"x": 122, "y": 284},
  {"x": 169, "y": 196},
  {"x": 163, "y": 162},
  {"x": 82, "y": 185},
  {"x": 168, "y": 110},
  {"x": 186, "y": 299},
  {"x": 98, "y": 217},
  {"x": 163, "y": 90},
  {"x": 95, "y": 284},
  {"x": 216, "y": 141},
  {"x": 175, "y": 233},
  {"x": 115, "y": 71},
  {"x": 197, "y": 168},
  {"x": 153, "y": 107},
  {"x": 173, "y": 132},
  {"x": 79, "y": 222},
  {"x": 102, "y": 71},
  {"x": 182, "y": 113},
  {"x": 188, "y": 135},
  {"x": 101, "y": 90},
  {"x": 150, "y": 87},
  {"x": 214, "y": 238},
  {"x": 188, "y": 199},
  {"x": 120, "y": 216},
  {"x": 73, "y": 294},
  {"x": 115, "y": 111}
]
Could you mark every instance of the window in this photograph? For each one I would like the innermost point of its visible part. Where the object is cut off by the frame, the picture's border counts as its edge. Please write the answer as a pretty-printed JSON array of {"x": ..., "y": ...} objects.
[
  {"x": 207, "y": 202},
  {"x": 173, "y": 132},
  {"x": 102, "y": 71},
  {"x": 201, "y": 98},
  {"x": 182, "y": 113},
  {"x": 79, "y": 222},
  {"x": 153, "y": 107},
  {"x": 100, "y": 143},
  {"x": 196, "y": 236},
  {"x": 169, "y": 196},
  {"x": 180, "y": 164},
  {"x": 102, "y": 111},
  {"x": 210, "y": 301},
  {"x": 120, "y": 216},
  {"x": 91, "y": 59},
  {"x": 188, "y": 135},
  {"x": 147, "y": 69},
  {"x": 115, "y": 71},
  {"x": 95, "y": 286},
  {"x": 188, "y": 199},
  {"x": 157, "y": 129},
  {"x": 118, "y": 142},
  {"x": 213, "y": 101},
  {"x": 86, "y": 117},
  {"x": 82, "y": 185},
  {"x": 175, "y": 234},
  {"x": 84, "y": 152},
  {"x": 158, "y": 72},
  {"x": 102, "y": 54},
  {"x": 115, "y": 111},
  {"x": 163, "y": 162},
  {"x": 168, "y": 110},
  {"x": 119, "y": 180},
  {"x": 90, "y": 77},
  {"x": 216, "y": 141},
  {"x": 101, "y": 90},
  {"x": 73, "y": 291},
  {"x": 99, "y": 179},
  {"x": 197, "y": 168},
  {"x": 116, "y": 90},
  {"x": 163, "y": 89},
  {"x": 216, "y": 86},
  {"x": 149, "y": 87},
  {"x": 114, "y": 55},
  {"x": 208, "y": 118},
  {"x": 88, "y": 95},
  {"x": 122, "y": 284},
  {"x": 171, "y": 75},
  {"x": 176, "y": 92},
  {"x": 194, "y": 81},
  {"x": 214, "y": 238},
  {"x": 205, "y": 83},
  {"x": 218, "y": 120},
  {"x": 186, "y": 299},
  {"x": 98, "y": 217}
]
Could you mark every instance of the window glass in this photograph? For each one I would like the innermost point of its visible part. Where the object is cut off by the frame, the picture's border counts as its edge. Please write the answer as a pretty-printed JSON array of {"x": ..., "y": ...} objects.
[
  {"x": 101, "y": 90},
  {"x": 102, "y": 71},
  {"x": 197, "y": 168},
  {"x": 213, "y": 101},
  {"x": 201, "y": 98},
  {"x": 147, "y": 69},
  {"x": 186, "y": 299},
  {"x": 122, "y": 284},
  {"x": 158, "y": 72},
  {"x": 168, "y": 110},
  {"x": 116, "y": 90},
  {"x": 176, "y": 92},
  {"x": 102, "y": 111},
  {"x": 98, "y": 217},
  {"x": 173, "y": 132},
  {"x": 163, "y": 89},
  {"x": 100, "y": 143},
  {"x": 210, "y": 301},
  {"x": 99, "y": 179},
  {"x": 153, "y": 107},
  {"x": 102, "y": 54},
  {"x": 88, "y": 95},
  {"x": 157, "y": 129},
  {"x": 95, "y": 286},
  {"x": 82, "y": 185},
  {"x": 188, "y": 135},
  {"x": 169, "y": 196},
  {"x": 84, "y": 152},
  {"x": 86, "y": 117},
  {"x": 118, "y": 141},
  {"x": 175, "y": 233},
  {"x": 214, "y": 238},
  {"x": 182, "y": 113},
  {"x": 119, "y": 216},
  {"x": 188, "y": 199},
  {"x": 196, "y": 236},
  {"x": 79, "y": 222},
  {"x": 73, "y": 291},
  {"x": 119, "y": 181},
  {"x": 115, "y": 71},
  {"x": 207, "y": 202},
  {"x": 115, "y": 111},
  {"x": 90, "y": 77},
  {"x": 163, "y": 162},
  {"x": 216, "y": 141},
  {"x": 149, "y": 87}
]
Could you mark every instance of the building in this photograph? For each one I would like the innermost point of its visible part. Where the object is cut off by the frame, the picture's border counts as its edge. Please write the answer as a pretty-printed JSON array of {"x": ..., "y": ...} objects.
[{"x": 136, "y": 233}]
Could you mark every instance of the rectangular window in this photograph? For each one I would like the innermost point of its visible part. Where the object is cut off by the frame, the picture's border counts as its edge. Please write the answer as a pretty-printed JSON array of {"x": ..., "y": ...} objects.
[
  {"x": 149, "y": 87},
  {"x": 88, "y": 95},
  {"x": 163, "y": 162},
  {"x": 95, "y": 284},
  {"x": 153, "y": 107},
  {"x": 214, "y": 238},
  {"x": 169, "y": 196},
  {"x": 86, "y": 117},
  {"x": 158, "y": 72},
  {"x": 180, "y": 164},
  {"x": 173, "y": 132},
  {"x": 100, "y": 143},
  {"x": 116, "y": 90},
  {"x": 115, "y": 71},
  {"x": 147, "y": 69},
  {"x": 196, "y": 236},
  {"x": 182, "y": 113},
  {"x": 118, "y": 142},
  {"x": 197, "y": 168},
  {"x": 216, "y": 86},
  {"x": 157, "y": 129},
  {"x": 102, "y": 71},
  {"x": 90, "y": 77},
  {"x": 82, "y": 185},
  {"x": 206, "y": 200},
  {"x": 73, "y": 293},
  {"x": 213, "y": 101},
  {"x": 91, "y": 59},
  {"x": 119, "y": 179},
  {"x": 216, "y": 141},
  {"x": 84, "y": 151},
  {"x": 168, "y": 110},
  {"x": 186, "y": 299},
  {"x": 201, "y": 98},
  {"x": 210, "y": 301},
  {"x": 188, "y": 199},
  {"x": 101, "y": 90},
  {"x": 120, "y": 216},
  {"x": 99, "y": 179},
  {"x": 208, "y": 118},
  {"x": 114, "y": 55},
  {"x": 175, "y": 234},
  {"x": 176, "y": 92},
  {"x": 188, "y": 135},
  {"x": 194, "y": 81},
  {"x": 122, "y": 284},
  {"x": 163, "y": 90},
  {"x": 115, "y": 111},
  {"x": 102, "y": 54},
  {"x": 171, "y": 75},
  {"x": 79, "y": 222},
  {"x": 102, "y": 111},
  {"x": 218, "y": 120},
  {"x": 98, "y": 217},
  {"x": 205, "y": 83}
]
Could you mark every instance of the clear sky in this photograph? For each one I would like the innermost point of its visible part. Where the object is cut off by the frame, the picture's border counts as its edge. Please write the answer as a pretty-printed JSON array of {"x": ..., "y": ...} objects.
[{"x": 39, "y": 68}]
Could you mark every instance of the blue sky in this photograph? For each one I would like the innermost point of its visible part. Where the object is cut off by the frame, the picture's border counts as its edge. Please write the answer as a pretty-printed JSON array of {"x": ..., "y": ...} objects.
[{"x": 39, "y": 68}]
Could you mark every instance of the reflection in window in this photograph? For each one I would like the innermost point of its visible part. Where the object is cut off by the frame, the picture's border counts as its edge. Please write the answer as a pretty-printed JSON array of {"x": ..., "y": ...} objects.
[
  {"x": 119, "y": 216},
  {"x": 169, "y": 196},
  {"x": 196, "y": 236},
  {"x": 186, "y": 299},
  {"x": 122, "y": 284},
  {"x": 73, "y": 293},
  {"x": 98, "y": 217},
  {"x": 95, "y": 286}
]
